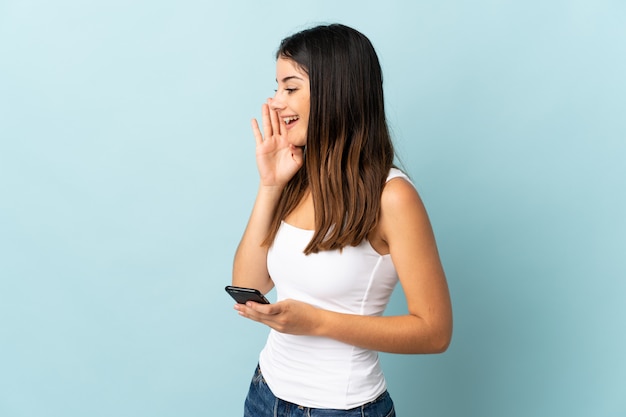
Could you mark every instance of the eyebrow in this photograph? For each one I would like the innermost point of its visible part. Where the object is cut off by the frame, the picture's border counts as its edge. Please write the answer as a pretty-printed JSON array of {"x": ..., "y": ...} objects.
[{"x": 291, "y": 77}]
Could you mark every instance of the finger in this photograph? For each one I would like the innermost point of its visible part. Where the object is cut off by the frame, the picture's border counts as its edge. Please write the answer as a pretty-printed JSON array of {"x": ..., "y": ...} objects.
[
  {"x": 245, "y": 311},
  {"x": 250, "y": 311},
  {"x": 275, "y": 122},
  {"x": 267, "y": 124},
  {"x": 264, "y": 309},
  {"x": 258, "y": 137},
  {"x": 281, "y": 126}
]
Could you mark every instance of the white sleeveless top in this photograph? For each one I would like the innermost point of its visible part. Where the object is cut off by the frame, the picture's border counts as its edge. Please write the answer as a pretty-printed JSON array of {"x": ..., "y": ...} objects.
[{"x": 319, "y": 372}]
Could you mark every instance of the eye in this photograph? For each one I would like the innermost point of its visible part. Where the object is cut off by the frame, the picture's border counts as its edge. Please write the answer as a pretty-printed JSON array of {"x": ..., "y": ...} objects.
[{"x": 288, "y": 90}]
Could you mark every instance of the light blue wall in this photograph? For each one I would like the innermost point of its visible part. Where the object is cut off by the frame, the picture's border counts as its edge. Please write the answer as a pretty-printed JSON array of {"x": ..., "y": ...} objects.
[{"x": 127, "y": 173}]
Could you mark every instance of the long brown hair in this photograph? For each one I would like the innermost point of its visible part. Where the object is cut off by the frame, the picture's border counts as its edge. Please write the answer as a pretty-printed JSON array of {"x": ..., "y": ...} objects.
[{"x": 348, "y": 150}]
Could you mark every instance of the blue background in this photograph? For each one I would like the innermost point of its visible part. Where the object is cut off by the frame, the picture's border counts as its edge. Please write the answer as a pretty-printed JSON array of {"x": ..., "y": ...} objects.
[{"x": 127, "y": 174}]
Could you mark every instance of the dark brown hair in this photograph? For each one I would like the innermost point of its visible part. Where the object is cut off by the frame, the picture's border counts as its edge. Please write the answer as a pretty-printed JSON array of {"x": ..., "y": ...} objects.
[{"x": 348, "y": 150}]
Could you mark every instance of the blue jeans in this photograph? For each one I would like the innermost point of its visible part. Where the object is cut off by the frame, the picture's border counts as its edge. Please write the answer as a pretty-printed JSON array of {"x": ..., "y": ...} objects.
[{"x": 261, "y": 402}]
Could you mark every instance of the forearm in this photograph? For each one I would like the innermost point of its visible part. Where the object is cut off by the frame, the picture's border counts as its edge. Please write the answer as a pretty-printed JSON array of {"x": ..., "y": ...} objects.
[
  {"x": 392, "y": 334},
  {"x": 250, "y": 262}
]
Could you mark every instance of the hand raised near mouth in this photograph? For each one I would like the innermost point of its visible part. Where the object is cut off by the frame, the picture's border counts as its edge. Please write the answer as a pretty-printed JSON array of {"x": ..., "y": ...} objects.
[{"x": 277, "y": 159}]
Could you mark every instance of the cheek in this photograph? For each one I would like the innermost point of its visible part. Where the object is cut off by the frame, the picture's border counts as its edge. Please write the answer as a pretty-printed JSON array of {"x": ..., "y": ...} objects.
[{"x": 304, "y": 116}]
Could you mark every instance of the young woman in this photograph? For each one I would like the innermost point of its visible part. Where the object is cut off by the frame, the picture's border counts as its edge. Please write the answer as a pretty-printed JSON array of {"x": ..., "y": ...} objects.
[{"x": 333, "y": 228}]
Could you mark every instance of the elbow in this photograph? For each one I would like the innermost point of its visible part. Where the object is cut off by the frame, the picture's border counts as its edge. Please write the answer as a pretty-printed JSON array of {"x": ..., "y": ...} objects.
[
  {"x": 432, "y": 332},
  {"x": 433, "y": 345},
  {"x": 442, "y": 339},
  {"x": 438, "y": 339},
  {"x": 441, "y": 343},
  {"x": 441, "y": 335}
]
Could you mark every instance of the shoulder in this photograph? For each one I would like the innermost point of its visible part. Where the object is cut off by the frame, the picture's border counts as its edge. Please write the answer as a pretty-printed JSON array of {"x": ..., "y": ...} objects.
[
  {"x": 401, "y": 207},
  {"x": 399, "y": 192}
]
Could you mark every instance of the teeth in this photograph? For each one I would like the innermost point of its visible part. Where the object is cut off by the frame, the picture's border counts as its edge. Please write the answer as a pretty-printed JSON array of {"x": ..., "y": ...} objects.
[{"x": 290, "y": 119}]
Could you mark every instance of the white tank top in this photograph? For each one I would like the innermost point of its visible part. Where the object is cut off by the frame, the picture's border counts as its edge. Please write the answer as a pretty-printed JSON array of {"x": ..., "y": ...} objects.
[{"x": 315, "y": 371}]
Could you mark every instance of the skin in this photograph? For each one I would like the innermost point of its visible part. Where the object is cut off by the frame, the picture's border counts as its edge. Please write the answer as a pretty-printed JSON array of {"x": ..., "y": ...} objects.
[{"x": 404, "y": 231}]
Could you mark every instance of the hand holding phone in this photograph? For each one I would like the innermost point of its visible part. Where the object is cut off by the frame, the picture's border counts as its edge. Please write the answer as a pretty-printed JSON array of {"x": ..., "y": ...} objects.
[{"x": 243, "y": 295}]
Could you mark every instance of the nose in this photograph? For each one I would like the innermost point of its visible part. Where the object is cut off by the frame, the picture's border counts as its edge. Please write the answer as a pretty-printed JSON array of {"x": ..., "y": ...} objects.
[{"x": 275, "y": 103}]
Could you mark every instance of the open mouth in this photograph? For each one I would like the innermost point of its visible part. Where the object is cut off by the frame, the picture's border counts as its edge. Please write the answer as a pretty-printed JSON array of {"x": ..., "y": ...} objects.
[{"x": 290, "y": 120}]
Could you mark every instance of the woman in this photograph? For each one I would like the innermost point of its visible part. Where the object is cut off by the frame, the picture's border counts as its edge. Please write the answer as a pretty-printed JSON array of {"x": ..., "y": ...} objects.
[{"x": 334, "y": 226}]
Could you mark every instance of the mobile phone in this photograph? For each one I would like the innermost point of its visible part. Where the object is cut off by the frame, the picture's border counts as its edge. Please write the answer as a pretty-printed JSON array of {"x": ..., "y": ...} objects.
[{"x": 243, "y": 295}]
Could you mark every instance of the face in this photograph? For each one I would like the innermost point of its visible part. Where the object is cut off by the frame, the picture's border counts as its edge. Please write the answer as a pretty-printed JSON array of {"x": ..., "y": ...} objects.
[{"x": 292, "y": 100}]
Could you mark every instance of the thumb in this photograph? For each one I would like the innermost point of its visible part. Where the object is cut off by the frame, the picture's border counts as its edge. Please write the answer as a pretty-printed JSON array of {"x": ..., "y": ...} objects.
[
  {"x": 263, "y": 308},
  {"x": 297, "y": 153}
]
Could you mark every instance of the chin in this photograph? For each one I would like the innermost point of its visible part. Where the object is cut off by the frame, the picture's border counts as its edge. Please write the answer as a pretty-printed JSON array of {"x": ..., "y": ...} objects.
[{"x": 299, "y": 142}]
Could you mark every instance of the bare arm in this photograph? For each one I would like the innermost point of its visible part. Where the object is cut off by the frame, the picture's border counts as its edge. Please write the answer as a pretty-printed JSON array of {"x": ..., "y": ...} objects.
[
  {"x": 250, "y": 263},
  {"x": 427, "y": 328},
  {"x": 277, "y": 161}
]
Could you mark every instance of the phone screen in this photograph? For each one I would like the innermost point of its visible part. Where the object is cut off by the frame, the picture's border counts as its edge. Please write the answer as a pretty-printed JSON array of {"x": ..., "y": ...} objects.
[{"x": 243, "y": 295}]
